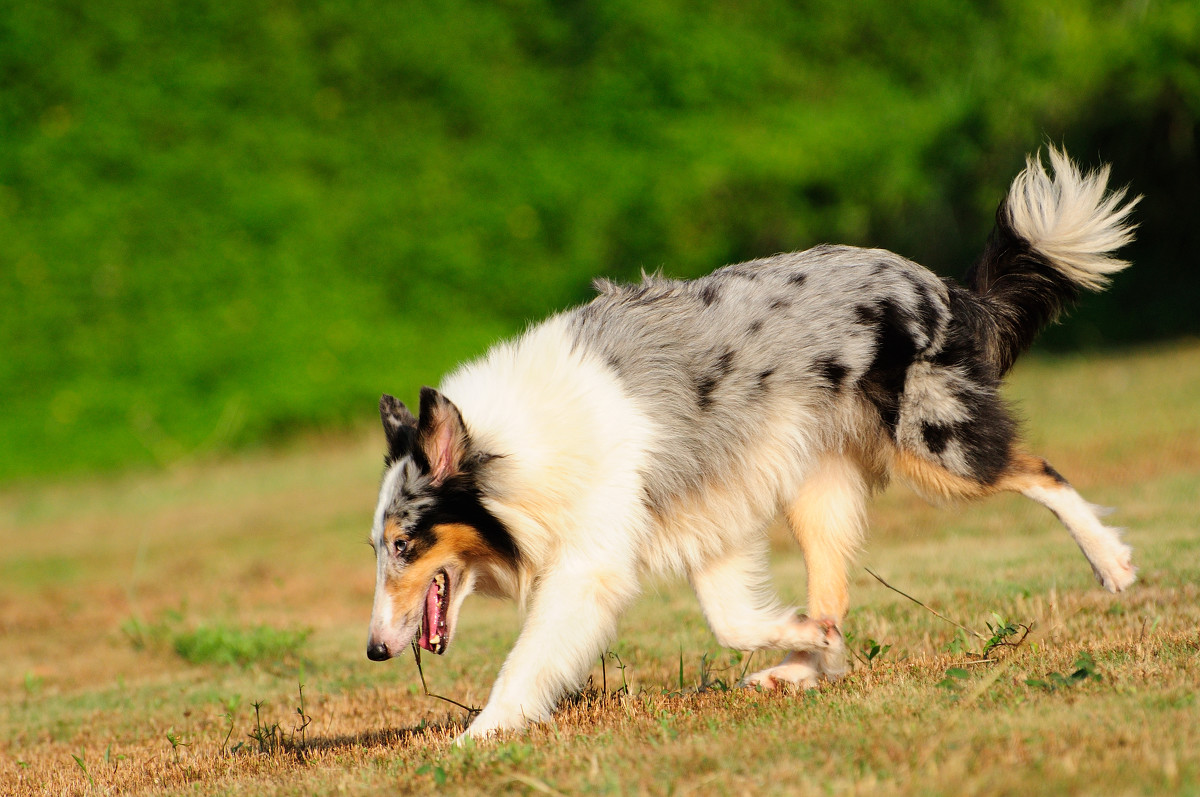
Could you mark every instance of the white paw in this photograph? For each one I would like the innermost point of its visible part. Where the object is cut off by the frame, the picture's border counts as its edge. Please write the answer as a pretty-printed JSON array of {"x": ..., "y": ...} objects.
[
  {"x": 798, "y": 671},
  {"x": 1116, "y": 572},
  {"x": 805, "y": 633}
]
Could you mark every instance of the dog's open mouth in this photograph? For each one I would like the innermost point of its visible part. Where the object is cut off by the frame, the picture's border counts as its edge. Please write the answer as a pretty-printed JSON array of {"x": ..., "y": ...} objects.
[{"x": 433, "y": 636}]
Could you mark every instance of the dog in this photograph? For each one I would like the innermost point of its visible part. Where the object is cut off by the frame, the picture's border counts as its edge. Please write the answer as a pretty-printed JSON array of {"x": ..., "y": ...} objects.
[{"x": 664, "y": 426}]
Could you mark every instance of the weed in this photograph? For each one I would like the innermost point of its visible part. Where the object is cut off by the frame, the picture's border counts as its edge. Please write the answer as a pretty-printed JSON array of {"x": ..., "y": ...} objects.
[
  {"x": 874, "y": 650},
  {"x": 83, "y": 766},
  {"x": 438, "y": 773},
  {"x": 110, "y": 761},
  {"x": 305, "y": 719},
  {"x": 267, "y": 736},
  {"x": 1085, "y": 669},
  {"x": 954, "y": 678},
  {"x": 708, "y": 682},
  {"x": 176, "y": 741},
  {"x": 604, "y": 671},
  {"x": 1002, "y": 633}
]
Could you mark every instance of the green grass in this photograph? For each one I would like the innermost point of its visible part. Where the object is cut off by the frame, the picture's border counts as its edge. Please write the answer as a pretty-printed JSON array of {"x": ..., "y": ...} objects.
[{"x": 1099, "y": 697}]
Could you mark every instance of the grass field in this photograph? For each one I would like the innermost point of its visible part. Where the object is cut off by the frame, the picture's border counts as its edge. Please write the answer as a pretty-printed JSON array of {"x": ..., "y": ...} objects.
[{"x": 202, "y": 631}]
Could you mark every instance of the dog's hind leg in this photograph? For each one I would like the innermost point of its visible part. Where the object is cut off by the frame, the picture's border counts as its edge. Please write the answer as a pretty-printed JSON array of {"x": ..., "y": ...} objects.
[
  {"x": 828, "y": 518},
  {"x": 1111, "y": 559},
  {"x": 1031, "y": 476}
]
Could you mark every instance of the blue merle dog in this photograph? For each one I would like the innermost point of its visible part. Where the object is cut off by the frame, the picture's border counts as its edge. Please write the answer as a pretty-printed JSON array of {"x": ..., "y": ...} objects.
[{"x": 663, "y": 427}]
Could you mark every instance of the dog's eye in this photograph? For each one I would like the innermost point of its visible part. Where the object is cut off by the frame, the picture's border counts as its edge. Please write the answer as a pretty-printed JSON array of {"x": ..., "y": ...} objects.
[{"x": 399, "y": 546}]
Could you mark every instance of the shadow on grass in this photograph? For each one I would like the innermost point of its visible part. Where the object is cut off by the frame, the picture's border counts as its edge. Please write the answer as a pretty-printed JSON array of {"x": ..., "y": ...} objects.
[{"x": 391, "y": 737}]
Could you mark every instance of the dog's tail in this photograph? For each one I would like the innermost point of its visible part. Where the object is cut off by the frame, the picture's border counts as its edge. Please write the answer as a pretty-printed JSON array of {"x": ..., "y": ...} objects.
[{"x": 1053, "y": 238}]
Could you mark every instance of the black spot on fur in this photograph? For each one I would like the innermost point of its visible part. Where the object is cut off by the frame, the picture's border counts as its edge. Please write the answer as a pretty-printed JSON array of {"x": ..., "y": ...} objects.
[
  {"x": 936, "y": 436},
  {"x": 781, "y": 304},
  {"x": 1052, "y": 473},
  {"x": 708, "y": 381},
  {"x": 927, "y": 313},
  {"x": 763, "y": 376},
  {"x": 741, "y": 271},
  {"x": 613, "y": 362},
  {"x": 755, "y": 327},
  {"x": 986, "y": 437},
  {"x": 895, "y": 349},
  {"x": 797, "y": 279},
  {"x": 866, "y": 314},
  {"x": 832, "y": 372},
  {"x": 880, "y": 267},
  {"x": 709, "y": 294}
]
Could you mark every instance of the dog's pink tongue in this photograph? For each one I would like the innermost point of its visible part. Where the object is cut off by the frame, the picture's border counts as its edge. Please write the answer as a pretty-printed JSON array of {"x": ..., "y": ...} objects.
[{"x": 432, "y": 618}]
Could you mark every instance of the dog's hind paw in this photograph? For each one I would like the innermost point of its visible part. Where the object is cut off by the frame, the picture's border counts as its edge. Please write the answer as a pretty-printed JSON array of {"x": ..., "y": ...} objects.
[{"x": 798, "y": 671}]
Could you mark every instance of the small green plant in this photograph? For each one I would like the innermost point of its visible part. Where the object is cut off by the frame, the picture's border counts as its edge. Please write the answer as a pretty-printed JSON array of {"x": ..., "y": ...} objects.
[
  {"x": 604, "y": 672},
  {"x": 709, "y": 681},
  {"x": 33, "y": 684},
  {"x": 176, "y": 741},
  {"x": 1002, "y": 633},
  {"x": 1085, "y": 669},
  {"x": 268, "y": 737},
  {"x": 954, "y": 679},
  {"x": 874, "y": 650},
  {"x": 438, "y": 773},
  {"x": 305, "y": 719},
  {"x": 79, "y": 762},
  {"x": 111, "y": 761}
]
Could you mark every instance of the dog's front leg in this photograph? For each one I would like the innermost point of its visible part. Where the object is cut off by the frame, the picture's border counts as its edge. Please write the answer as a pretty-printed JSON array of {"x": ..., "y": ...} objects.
[{"x": 572, "y": 615}]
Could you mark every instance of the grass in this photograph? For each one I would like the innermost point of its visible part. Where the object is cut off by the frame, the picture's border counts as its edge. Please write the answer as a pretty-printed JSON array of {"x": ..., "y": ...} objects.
[{"x": 261, "y": 556}]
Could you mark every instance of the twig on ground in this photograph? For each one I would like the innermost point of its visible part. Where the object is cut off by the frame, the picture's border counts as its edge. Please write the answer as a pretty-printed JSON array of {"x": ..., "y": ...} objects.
[
  {"x": 417, "y": 658},
  {"x": 940, "y": 616}
]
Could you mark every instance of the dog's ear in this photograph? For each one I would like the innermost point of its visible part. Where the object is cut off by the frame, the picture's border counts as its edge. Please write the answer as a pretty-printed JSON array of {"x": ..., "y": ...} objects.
[
  {"x": 442, "y": 435},
  {"x": 399, "y": 426}
]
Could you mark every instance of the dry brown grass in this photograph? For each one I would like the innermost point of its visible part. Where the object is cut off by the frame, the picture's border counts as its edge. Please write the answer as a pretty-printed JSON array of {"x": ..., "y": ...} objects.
[{"x": 275, "y": 539}]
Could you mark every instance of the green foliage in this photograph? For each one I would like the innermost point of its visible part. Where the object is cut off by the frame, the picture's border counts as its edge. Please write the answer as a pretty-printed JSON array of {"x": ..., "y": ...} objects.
[
  {"x": 215, "y": 643},
  {"x": 226, "y": 222},
  {"x": 221, "y": 644}
]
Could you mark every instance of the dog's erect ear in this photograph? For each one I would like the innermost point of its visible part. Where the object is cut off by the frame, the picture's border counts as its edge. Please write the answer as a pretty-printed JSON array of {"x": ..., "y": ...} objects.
[
  {"x": 399, "y": 425},
  {"x": 442, "y": 435}
]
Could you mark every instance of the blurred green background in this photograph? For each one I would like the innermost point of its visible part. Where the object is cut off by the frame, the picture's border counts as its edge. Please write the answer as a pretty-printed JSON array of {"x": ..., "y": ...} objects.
[{"x": 224, "y": 223}]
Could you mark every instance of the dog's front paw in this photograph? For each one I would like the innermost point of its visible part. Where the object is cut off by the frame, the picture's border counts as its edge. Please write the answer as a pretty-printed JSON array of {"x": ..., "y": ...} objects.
[
  {"x": 804, "y": 633},
  {"x": 489, "y": 723}
]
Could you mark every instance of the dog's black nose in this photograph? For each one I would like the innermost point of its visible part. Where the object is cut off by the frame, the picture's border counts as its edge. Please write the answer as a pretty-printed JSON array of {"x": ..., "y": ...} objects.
[{"x": 378, "y": 652}]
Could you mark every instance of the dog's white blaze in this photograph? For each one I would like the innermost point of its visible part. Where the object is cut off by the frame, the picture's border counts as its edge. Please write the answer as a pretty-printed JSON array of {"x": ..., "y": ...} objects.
[{"x": 381, "y": 610}]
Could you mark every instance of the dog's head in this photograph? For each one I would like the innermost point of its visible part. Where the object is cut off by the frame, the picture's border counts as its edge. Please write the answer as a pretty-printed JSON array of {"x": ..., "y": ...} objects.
[{"x": 432, "y": 534}]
